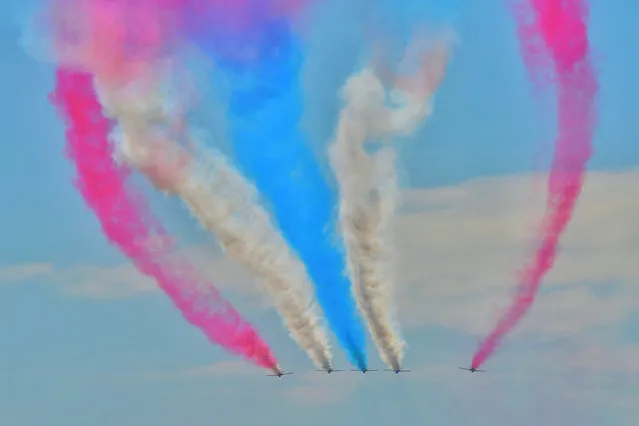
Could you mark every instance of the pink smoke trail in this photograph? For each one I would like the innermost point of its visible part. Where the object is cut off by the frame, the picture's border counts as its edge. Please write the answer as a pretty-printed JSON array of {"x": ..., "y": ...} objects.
[
  {"x": 561, "y": 26},
  {"x": 128, "y": 223}
]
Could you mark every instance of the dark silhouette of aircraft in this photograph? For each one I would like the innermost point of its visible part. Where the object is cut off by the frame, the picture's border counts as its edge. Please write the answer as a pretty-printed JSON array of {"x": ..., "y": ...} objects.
[
  {"x": 279, "y": 374},
  {"x": 329, "y": 370},
  {"x": 398, "y": 370},
  {"x": 363, "y": 370},
  {"x": 472, "y": 370}
]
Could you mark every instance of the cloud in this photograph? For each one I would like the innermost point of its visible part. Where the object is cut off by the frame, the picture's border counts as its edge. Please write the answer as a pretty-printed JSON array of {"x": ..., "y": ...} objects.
[
  {"x": 123, "y": 280},
  {"x": 593, "y": 371},
  {"x": 460, "y": 249},
  {"x": 101, "y": 282},
  {"x": 18, "y": 273}
]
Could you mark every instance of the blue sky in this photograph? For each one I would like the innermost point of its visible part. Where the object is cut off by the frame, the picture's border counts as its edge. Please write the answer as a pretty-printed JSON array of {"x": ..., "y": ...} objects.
[{"x": 86, "y": 341}]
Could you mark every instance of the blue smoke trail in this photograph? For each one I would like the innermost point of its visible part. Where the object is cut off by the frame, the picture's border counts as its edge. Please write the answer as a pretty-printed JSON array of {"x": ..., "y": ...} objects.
[{"x": 265, "y": 107}]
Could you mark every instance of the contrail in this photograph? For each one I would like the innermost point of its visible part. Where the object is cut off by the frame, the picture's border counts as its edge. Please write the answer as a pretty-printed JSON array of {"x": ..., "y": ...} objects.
[
  {"x": 554, "y": 42},
  {"x": 115, "y": 42},
  {"x": 225, "y": 204},
  {"x": 265, "y": 106},
  {"x": 129, "y": 225},
  {"x": 369, "y": 189}
]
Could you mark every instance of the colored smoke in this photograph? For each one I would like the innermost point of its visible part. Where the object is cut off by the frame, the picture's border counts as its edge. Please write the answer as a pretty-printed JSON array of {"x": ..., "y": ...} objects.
[
  {"x": 265, "y": 109},
  {"x": 369, "y": 184},
  {"x": 128, "y": 224},
  {"x": 556, "y": 35},
  {"x": 224, "y": 203}
]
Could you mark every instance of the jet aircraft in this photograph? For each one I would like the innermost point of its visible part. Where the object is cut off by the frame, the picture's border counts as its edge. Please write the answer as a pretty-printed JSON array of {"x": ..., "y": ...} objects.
[
  {"x": 472, "y": 369},
  {"x": 329, "y": 370},
  {"x": 397, "y": 370},
  {"x": 279, "y": 373},
  {"x": 363, "y": 370}
]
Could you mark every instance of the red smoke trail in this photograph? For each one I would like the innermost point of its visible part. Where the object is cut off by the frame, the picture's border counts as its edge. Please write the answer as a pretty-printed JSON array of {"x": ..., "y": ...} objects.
[
  {"x": 128, "y": 223},
  {"x": 561, "y": 26}
]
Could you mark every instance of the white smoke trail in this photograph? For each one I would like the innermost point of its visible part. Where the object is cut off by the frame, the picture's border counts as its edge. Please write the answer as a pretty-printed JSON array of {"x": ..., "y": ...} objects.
[
  {"x": 224, "y": 203},
  {"x": 369, "y": 189}
]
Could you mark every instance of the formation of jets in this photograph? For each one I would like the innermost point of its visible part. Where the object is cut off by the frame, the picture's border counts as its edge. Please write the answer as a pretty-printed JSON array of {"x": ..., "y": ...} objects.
[{"x": 279, "y": 373}]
